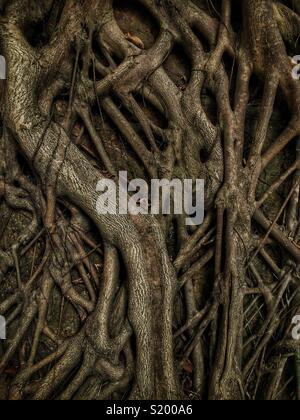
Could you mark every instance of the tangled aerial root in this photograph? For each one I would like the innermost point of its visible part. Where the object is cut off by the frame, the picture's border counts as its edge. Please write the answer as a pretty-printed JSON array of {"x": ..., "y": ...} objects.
[{"x": 108, "y": 307}]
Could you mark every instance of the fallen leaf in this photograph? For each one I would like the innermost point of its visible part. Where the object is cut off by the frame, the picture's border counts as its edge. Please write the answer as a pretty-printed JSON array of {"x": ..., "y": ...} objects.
[
  {"x": 187, "y": 366},
  {"x": 135, "y": 40},
  {"x": 11, "y": 371}
]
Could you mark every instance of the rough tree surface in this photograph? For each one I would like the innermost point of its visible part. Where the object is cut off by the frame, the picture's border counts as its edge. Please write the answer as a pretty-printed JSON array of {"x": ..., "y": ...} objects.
[{"x": 143, "y": 307}]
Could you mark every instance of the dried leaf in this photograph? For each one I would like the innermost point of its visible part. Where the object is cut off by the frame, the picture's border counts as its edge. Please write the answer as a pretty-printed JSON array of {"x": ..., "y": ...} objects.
[
  {"x": 135, "y": 40},
  {"x": 187, "y": 366},
  {"x": 11, "y": 371}
]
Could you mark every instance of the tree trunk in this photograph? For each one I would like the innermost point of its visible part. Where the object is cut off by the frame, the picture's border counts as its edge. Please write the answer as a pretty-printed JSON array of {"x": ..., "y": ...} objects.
[{"x": 143, "y": 306}]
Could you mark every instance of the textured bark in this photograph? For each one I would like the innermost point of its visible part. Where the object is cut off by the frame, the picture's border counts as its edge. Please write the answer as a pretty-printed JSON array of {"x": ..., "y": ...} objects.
[{"x": 161, "y": 89}]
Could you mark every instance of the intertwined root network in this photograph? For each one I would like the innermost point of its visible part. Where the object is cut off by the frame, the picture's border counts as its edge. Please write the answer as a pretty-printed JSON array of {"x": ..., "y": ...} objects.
[{"x": 111, "y": 307}]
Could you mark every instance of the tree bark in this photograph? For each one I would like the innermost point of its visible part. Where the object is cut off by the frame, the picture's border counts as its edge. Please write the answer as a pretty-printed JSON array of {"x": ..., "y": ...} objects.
[{"x": 91, "y": 90}]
